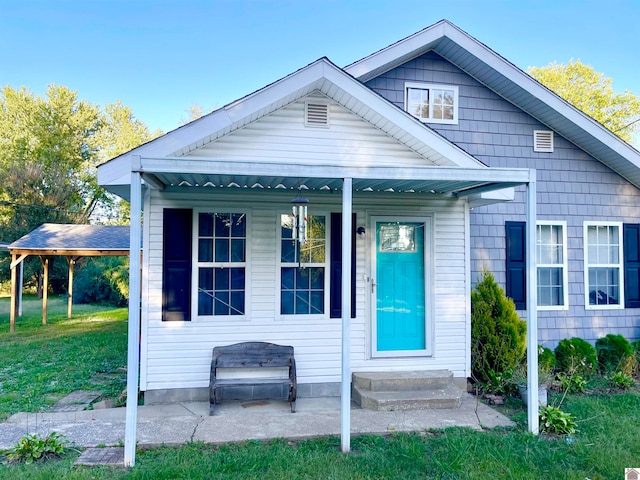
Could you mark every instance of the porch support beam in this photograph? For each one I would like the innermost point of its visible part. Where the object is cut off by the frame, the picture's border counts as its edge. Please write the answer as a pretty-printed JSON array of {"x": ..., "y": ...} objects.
[
  {"x": 532, "y": 309},
  {"x": 237, "y": 168},
  {"x": 345, "y": 397},
  {"x": 133, "y": 359}
]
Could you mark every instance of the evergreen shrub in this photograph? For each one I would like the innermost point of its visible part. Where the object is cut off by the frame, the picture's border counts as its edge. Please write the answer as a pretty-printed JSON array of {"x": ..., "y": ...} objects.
[
  {"x": 576, "y": 356},
  {"x": 615, "y": 354},
  {"x": 498, "y": 334},
  {"x": 546, "y": 359}
]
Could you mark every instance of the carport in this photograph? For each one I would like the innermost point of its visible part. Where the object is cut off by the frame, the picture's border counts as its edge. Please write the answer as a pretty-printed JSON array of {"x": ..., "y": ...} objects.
[{"x": 69, "y": 241}]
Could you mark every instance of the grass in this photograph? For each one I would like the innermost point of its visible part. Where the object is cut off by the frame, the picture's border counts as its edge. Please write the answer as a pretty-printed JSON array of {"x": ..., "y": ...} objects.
[
  {"x": 94, "y": 343},
  {"x": 39, "y": 364}
]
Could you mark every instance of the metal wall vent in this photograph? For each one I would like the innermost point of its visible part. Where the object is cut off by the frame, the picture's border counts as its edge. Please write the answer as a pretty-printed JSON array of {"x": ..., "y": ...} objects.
[
  {"x": 543, "y": 141},
  {"x": 316, "y": 114}
]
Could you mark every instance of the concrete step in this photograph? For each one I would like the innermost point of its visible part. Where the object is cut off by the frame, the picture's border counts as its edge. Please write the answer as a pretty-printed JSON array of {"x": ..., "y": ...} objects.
[
  {"x": 446, "y": 396},
  {"x": 402, "y": 381}
]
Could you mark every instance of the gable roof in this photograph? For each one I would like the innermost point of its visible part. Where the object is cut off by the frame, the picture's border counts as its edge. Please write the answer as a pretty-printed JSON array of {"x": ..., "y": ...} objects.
[
  {"x": 512, "y": 84},
  {"x": 320, "y": 76}
]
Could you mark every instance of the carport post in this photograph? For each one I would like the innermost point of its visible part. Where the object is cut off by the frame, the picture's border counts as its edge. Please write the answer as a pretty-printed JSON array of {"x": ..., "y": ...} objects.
[
  {"x": 345, "y": 396},
  {"x": 133, "y": 359}
]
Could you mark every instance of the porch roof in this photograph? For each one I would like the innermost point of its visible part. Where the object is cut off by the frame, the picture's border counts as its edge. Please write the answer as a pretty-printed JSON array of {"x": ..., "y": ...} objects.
[{"x": 204, "y": 173}]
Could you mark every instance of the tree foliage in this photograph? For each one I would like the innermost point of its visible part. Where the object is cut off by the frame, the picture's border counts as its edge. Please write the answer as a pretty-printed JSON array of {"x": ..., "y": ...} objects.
[
  {"x": 50, "y": 147},
  {"x": 593, "y": 93}
]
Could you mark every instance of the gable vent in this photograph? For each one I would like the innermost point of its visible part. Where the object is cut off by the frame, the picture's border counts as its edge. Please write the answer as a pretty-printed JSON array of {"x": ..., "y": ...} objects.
[
  {"x": 543, "y": 141},
  {"x": 316, "y": 114}
]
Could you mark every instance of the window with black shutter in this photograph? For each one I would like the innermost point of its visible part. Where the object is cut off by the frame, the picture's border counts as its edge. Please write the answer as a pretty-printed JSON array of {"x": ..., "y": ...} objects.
[
  {"x": 176, "y": 264},
  {"x": 631, "y": 265},
  {"x": 516, "y": 287},
  {"x": 335, "y": 268}
]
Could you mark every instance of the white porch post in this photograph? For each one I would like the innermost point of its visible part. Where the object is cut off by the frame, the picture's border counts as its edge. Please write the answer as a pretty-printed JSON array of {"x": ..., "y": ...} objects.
[
  {"x": 532, "y": 309},
  {"x": 133, "y": 359},
  {"x": 345, "y": 397}
]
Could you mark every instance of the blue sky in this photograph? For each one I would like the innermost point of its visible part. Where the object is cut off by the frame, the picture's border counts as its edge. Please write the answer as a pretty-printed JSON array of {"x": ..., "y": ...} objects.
[{"x": 160, "y": 56}]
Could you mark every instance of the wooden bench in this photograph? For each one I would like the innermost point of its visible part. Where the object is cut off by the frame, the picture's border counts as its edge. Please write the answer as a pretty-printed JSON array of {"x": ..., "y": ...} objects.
[{"x": 252, "y": 356}]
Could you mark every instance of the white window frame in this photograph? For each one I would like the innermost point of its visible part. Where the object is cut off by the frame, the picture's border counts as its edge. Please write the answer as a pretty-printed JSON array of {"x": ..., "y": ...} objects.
[
  {"x": 563, "y": 266},
  {"x": 589, "y": 264},
  {"x": 430, "y": 87},
  {"x": 213, "y": 264},
  {"x": 280, "y": 264}
]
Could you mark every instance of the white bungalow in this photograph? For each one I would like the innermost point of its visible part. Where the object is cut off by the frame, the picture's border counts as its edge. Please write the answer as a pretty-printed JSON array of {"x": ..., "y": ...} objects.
[{"x": 381, "y": 279}]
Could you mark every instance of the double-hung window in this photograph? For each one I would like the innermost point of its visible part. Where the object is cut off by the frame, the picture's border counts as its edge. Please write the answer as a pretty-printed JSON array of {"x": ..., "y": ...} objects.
[
  {"x": 551, "y": 244},
  {"x": 303, "y": 268},
  {"x": 432, "y": 103},
  {"x": 603, "y": 265},
  {"x": 222, "y": 255}
]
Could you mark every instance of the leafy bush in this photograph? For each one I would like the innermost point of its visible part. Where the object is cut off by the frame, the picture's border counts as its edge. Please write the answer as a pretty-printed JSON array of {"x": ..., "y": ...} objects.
[
  {"x": 498, "y": 335},
  {"x": 573, "y": 383},
  {"x": 614, "y": 354},
  {"x": 32, "y": 448},
  {"x": 497, "y": 383},
  {"x": 576, "y": 356},
  {"x": 102, "y": 280},
  {"x": 546, "y": 358},
  {"x": 622, "y": 381},
  {"x": 554, "y": 420}
]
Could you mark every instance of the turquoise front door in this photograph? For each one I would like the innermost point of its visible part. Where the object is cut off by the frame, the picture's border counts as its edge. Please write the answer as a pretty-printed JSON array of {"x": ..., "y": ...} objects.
[{"x": 399, "y": 278}]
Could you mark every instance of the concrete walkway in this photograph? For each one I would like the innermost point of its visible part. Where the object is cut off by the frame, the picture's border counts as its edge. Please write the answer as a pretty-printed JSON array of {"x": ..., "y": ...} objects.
[{"x": 180, "y": 423}]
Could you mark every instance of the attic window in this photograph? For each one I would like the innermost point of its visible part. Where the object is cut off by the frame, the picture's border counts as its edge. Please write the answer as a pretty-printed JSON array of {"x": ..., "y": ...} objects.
[
  {"x": 431, "y": 103},
  {"x": 543, "y": 141},
  {"x": 316, "y": 114}
]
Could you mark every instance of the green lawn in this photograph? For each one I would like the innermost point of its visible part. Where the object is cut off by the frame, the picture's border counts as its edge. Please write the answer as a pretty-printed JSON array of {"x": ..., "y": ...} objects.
[
  {"x": 39, "y": 364},
  {"x": 92, "y": 347}
]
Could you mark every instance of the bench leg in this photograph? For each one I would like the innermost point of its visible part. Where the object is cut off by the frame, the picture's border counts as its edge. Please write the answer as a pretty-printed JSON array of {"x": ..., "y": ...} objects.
[{"x": 213, "y": 399}]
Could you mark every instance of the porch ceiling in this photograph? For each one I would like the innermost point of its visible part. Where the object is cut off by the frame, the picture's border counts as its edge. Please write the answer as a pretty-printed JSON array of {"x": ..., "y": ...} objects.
[{"x": 162, "y": 173}]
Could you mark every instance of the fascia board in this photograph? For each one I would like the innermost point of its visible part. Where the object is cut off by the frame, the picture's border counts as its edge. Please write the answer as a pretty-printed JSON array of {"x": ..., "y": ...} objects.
[
  {"x": 545, "y": 95},
  {"x": 412, "y": 46},
  {"x": 429, "y": 38}
]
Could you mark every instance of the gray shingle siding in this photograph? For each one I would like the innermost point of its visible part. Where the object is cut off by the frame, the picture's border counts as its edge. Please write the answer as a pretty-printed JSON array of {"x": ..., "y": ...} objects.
[{"x": 572, "y": 186}]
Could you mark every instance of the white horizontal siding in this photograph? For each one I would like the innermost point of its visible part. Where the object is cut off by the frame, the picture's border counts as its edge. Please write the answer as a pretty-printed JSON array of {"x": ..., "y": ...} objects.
[
  {"x": 282, "y": 136},
  {"x": 178, "y": 354}
]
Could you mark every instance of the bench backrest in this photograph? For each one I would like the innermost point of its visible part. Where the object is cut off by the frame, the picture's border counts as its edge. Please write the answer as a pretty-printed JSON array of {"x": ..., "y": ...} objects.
[{"x": 252, "y": 355}]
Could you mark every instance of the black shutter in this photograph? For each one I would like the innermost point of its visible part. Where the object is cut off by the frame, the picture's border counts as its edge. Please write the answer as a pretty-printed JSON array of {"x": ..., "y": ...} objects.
[
  {"x": 516, "y": 263},
  {"x": 631, "y": 265},
  {"x": 335, "y": 267},
  {"x": 176, "y": 264}
]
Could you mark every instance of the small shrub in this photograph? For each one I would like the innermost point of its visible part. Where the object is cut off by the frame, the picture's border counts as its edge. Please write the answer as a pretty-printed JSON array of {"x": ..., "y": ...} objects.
[
  {"x": 546, "y": 364},
  {"x": 576, "y": 356},
  {"x": 32, "y": 448},
  {"x": 498, "y": 335},
  {"x": 636, "y": 349},
  {"x": 546, "y": 359},
  {"x": 615, "y": 353},
  {"x": 497, "y": 383},
  {"x": 622, "y": 381},
  {"x": 572, "y": 383},
  {"x": 554, "y": 420}
]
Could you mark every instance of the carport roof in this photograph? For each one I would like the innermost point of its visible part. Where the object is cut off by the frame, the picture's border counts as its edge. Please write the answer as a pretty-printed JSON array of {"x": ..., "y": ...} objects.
[{"x": 73, "y": 240}]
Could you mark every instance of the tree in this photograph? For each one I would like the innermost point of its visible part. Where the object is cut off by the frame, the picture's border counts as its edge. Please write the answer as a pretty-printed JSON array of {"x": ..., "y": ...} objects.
[
  {"x": 120, "y": 132},
  {"x": 49, "y": 150},
  {"x": 593, "y": 93}
]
